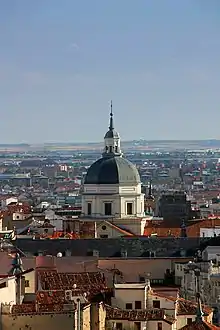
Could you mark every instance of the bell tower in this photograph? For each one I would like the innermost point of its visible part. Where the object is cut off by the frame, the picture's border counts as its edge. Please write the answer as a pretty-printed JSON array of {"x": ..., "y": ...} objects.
[{"x": 112, "y": 142}]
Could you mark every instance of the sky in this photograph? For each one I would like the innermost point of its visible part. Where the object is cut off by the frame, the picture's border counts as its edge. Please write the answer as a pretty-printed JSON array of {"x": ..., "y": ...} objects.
[{"x": 61, "y": 62}]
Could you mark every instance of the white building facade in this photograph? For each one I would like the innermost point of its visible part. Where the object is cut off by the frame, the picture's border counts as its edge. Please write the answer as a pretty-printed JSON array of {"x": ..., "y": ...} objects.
[{"x": 112, "y": 187}]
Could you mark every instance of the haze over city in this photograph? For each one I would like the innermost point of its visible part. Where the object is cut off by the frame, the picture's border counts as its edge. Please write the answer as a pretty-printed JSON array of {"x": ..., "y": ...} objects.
[{"x": 61, "y": 65}]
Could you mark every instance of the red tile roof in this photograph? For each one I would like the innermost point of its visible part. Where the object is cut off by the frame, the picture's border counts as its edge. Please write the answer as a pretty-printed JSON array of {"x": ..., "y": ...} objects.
[
  {"x": 51, "y": 280},
  {"x": 185, "y": 307},
  {"x": 52, "y": 301},
  {"x": 136, "y": 315},
  {"x": 20, "y": 208},
  {"x": 118, "y": 228},
  {"x": 32, "y": 308},
  {"x": 200, "y": 326},
  {"x": 166, "y": 228},
  {"x": 23, "y": 309}
]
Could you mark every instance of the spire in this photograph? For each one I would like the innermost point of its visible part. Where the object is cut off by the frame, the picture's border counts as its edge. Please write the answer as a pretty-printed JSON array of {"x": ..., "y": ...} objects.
[
  {"x": 111, "y": 125},
  {"x": 112, "y": 140}
]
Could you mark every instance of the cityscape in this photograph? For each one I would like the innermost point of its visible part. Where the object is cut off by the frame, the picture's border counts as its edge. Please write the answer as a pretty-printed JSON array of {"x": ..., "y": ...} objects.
[
  {"x": 109, "y": 209},
  {"x": 110, "y": 235}
]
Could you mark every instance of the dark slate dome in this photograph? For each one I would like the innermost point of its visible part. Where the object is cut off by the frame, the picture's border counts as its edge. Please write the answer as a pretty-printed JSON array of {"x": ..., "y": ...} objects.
[
  {"x": 112, "y": 170},
  {"x": 111, "y": 134}
]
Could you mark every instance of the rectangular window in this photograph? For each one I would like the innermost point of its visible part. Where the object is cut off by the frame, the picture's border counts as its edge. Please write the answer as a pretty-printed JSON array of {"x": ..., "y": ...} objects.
[
  {"x": 3, "y": 285},
  {"x": 89, "y": 208},
  {"x": 189, "y": 320},
  {"x": 129, "y": 208},
  {"x": 108, "y": 208},
  {"x": 137, "y": 304},
  {"x": 159, "y": 326},
  {"x": 119, "y": 326},
  {"x": 103, "y": 236},
  {"x": 142, "y": 279},
  {"x": 156, "y": 303},
  {"x": 137, "y": 325},
  {"x": 27, "y": 284},
  {"x": 128, "y": 306}
]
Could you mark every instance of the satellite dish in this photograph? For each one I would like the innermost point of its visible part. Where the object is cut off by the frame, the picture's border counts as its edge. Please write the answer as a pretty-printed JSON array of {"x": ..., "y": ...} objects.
[{"x": 59, "y": 255}]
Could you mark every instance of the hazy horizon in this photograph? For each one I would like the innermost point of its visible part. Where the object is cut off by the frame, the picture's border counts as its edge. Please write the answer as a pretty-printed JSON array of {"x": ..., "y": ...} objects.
[
  {"x": 62, "y": 62},
  {"x": 101, "y": 142}
]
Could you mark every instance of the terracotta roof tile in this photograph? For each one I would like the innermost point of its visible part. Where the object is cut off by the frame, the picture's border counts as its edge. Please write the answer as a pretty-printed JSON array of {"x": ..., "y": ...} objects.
[
  {"x": 200, "y": 326},
  {"x": 166, "y": 228},
  {"x": 23, "y": 309},
  {"x": 135, "y": 315},
  {"x": 118, "y": 228},
  {"x": 51, "y": 280},
  {"x": 187, "y": 307}
]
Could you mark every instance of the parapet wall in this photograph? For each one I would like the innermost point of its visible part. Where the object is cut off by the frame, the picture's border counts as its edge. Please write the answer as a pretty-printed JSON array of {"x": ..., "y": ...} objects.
[{"x": 37, "y": 321}]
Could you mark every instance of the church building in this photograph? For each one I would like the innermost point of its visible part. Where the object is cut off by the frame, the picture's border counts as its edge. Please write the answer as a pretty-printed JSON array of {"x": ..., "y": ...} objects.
[{"x": 112, "y": 196}]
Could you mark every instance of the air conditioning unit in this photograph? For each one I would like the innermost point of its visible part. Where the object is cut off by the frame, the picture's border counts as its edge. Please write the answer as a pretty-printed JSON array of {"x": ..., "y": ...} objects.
[{"x": 68, "y": 295}]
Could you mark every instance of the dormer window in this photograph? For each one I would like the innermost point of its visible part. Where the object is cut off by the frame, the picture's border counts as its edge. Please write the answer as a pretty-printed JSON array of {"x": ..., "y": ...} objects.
[{"x": 156, "y": 303}]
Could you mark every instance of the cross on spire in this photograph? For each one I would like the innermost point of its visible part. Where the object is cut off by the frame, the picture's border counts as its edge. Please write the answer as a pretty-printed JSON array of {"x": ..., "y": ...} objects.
[{"x": 111, "y": 125}]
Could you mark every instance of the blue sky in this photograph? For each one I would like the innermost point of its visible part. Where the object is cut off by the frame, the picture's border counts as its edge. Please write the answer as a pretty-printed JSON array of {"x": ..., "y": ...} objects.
[{"x": 61, "y": 62}]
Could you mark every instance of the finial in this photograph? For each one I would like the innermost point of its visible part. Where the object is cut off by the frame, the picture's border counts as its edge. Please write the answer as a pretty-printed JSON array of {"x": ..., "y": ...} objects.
[{"x": 111, "y": 126}]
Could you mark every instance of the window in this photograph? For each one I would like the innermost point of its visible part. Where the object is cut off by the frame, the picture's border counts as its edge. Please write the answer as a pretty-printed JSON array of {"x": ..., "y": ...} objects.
[
  {"x": 137, "y": 304},
  {"x": 137, "y": 325},
  {"x": 119, "y": 326},
  {"x": 108, "y": 208},
  {"x": 189, "y": 320},
  {"x": 128, "y": 306},
  {"x": 3, "y": 285},
  {"x": 103, "y": 236},
  {"x": 110, "y": 148},
  {"x": 156, "y": 303},
  {"x": 142, "y": 279},
  {"x": 159, "y": 326},
  {"x": 129, "y": 209},
  {"x": 89, "y": 208},
  {"x": 27, "y": 284},
  {"x": 104, "y": 227}
]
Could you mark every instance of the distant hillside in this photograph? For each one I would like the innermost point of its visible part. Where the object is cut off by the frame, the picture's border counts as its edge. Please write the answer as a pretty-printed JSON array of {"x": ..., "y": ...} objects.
[{"x": 19, "y": 145}]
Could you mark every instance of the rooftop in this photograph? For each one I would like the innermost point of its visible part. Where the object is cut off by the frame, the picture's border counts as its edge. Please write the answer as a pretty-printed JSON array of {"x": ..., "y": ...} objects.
[
  {"x": 111, "y": 247},
  {"x": 51, "y": 280},
  {"x": 131, "y": 286},
  {"x": 200, "y": 326},
  {"x": 136, "y": 315}
]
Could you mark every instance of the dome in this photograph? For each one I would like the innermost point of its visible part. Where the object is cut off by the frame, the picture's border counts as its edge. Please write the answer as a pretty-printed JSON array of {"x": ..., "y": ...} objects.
[
  {"x": 112, "y": 170},
  {"x": 111, "y": 134}
]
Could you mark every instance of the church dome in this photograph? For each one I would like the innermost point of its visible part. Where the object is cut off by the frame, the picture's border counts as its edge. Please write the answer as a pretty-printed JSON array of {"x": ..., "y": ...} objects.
[
  {"x": 112, "y": 170},
  {"x": 111, "y": 134}
]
